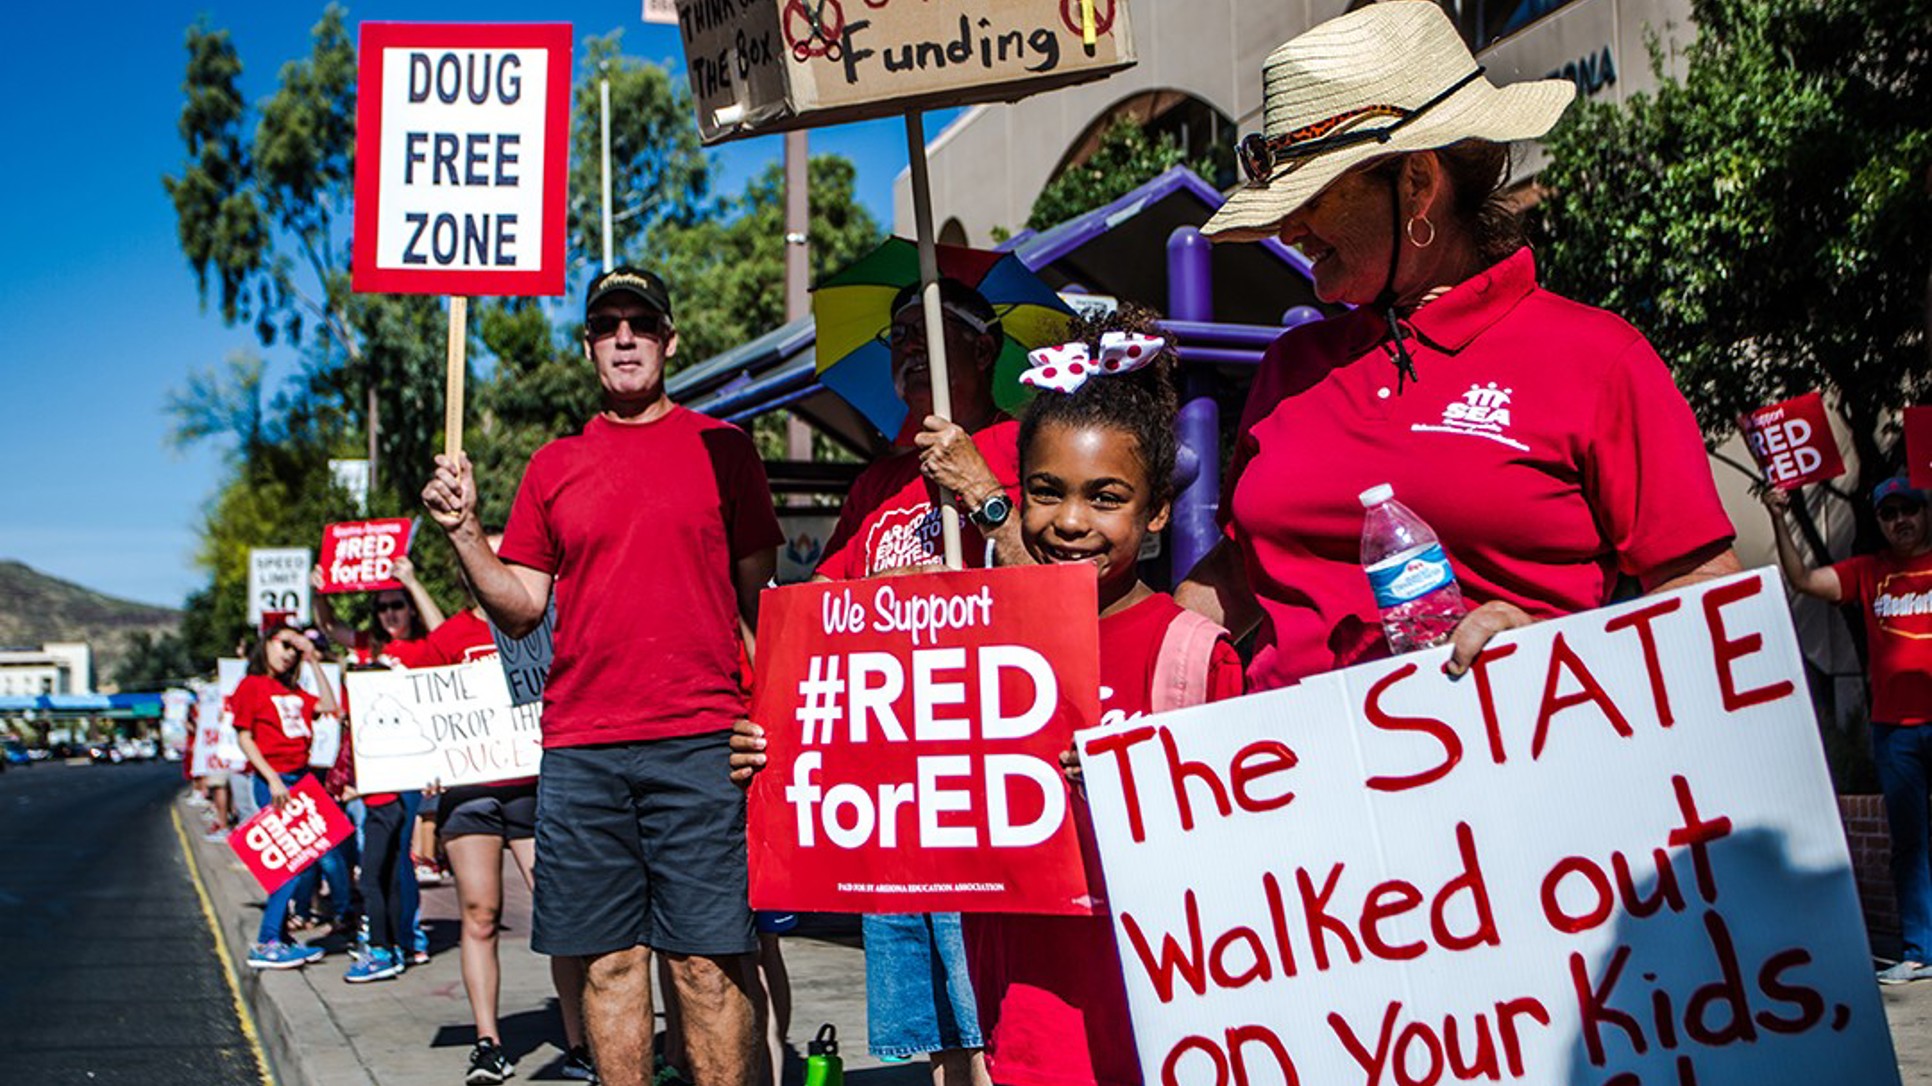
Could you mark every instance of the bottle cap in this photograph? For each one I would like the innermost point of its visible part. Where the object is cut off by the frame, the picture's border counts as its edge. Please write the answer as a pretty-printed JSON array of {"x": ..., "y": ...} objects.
[{"x": 1376, "y": 495}]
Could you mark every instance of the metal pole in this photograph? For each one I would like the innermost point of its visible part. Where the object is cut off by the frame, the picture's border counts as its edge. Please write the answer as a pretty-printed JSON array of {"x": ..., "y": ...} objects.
[
  {"x": 798, "y": 272},
  {"x": 1190, "y": 297},
  {"x": 603, "y": 94},
  {"x": 942, "y": 392}
]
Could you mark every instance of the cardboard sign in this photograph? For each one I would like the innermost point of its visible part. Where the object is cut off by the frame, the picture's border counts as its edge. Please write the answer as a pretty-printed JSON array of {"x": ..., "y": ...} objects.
[
  {"x": 526, "y": 660},
  {"x": 1792, "y": 442},
  {"x": 1610, "y": 855},
  {"x": 1918, "y": 447},
  {"x": 449, "y": 725},
  {"x": 215, "y": 750},
  {"x": 360, "y": 556},
  {"x": 462, "y": 158},
  {"x": 278, "y": 580},
  {"x": 760, "y": 66},
  {"x": 915, "y": 726},
  {"x": 276, "y": 845}
]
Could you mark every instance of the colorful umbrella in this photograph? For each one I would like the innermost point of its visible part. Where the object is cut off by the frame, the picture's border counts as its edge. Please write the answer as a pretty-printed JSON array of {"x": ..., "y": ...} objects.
[{"x": 853, "y": 308}]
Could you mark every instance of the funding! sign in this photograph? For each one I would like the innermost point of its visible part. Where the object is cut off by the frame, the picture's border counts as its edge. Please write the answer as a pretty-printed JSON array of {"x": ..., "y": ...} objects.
[
  {"x": 462, "y": 158},
  {"x": 915, "y": 726},
  {"x": 1609, "y": 855}
]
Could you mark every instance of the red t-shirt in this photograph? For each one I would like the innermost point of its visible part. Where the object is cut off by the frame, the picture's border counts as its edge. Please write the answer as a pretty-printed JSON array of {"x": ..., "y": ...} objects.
[
  {"x": 281, "y": 720},
  {"x": 901, "y": 527},
  {"x": 640, "y": 525},
  {"x": 1543, "y": 440},
  {"x": 1052, "y": 1001},
  {"x": 461, "y": 638},
  {"x": 1896, "y": 597},
  {"x": 406, "y": 652}
]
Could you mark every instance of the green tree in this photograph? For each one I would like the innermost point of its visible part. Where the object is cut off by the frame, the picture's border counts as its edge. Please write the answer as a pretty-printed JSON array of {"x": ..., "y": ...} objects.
[
  {"x": 1127, "y": 157},
  {"x": 1765, "y": 220},
  {"x": 155, "y": 662},
  {"x": 659, "y": 171}
]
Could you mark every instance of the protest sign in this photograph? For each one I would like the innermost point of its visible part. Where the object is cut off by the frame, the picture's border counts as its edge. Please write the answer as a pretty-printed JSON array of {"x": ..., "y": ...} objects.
[
  {"x": 449, "y": 725},
  {"x": 1609, "y": 855},
  {"x": 760, "y": 66},
  {"x": 278, "y": 580},
  {"x": 1918, "y": 447},
  {"x": 214, "y": 750},
  {"x": 462, "y": 158},
  {"x": 360, "y": 556},
  {"x": 661, "y": 11},
  {"x": 1792, "y": 442},
  {"x": 276, "y": 845},
  {"x": 914, "y": 727},
  {"x": 526, "y": 659}
]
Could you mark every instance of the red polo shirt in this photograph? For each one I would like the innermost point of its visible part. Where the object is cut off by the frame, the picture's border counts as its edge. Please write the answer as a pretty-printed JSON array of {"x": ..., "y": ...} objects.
[
  {"x": 1896, "y": 597},
  {"x": 1543, "y": 440},
  {"x": 898, "y": 526}
]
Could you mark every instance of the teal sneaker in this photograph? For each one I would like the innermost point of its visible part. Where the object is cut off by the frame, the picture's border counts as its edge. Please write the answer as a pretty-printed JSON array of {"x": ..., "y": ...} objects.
[
  {"x": 380, "y": 963},
  {"x": 280, "y": 955}
]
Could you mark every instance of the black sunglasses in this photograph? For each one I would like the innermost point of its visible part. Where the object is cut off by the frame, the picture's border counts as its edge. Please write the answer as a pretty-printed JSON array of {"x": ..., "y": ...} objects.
[
  {"x": 652, "y": 326},
  {"x": 1260, "y": 154},
  {"x": 393, "y": 605},
  {"x": 1899, "y": 510}
]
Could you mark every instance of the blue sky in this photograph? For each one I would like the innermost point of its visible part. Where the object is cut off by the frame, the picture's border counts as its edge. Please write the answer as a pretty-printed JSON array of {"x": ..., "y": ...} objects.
[{"x": 99, "y": 316}]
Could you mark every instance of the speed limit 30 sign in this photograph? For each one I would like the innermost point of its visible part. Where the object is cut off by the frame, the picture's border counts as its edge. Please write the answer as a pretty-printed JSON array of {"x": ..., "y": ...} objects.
[{"x": 278, "y": 580}]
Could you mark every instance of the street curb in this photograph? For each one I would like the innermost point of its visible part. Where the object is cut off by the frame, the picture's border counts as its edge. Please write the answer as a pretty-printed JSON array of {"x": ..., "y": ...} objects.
[{"x": 304, "y": 1043}]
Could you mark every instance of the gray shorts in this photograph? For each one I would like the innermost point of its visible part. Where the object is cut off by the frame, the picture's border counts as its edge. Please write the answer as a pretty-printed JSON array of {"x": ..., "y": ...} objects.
[{"x": 641, "y": 844}]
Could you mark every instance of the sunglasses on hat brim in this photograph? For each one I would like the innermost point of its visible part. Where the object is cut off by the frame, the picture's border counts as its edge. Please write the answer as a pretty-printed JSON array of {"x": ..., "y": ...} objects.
[{"x": 1260, "y": 155}]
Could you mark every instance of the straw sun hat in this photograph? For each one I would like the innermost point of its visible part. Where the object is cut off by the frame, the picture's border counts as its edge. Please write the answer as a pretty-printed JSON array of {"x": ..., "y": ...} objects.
[{"x": 1385, "y": 79}]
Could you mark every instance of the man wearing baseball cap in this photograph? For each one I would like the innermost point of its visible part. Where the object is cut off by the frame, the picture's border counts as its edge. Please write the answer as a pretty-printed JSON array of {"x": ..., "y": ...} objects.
[
  {"x": 655, "y": 530},
  {"x": 1893, "y": 590}
]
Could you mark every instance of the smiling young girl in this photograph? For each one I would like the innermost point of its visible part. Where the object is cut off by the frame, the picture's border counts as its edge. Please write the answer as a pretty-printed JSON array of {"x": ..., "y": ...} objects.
[{"x": 1097, "y": 455}]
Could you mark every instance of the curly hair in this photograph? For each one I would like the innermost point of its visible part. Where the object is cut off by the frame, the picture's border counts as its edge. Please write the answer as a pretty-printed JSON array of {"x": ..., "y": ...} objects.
[{"x": 1141, "y": 403}]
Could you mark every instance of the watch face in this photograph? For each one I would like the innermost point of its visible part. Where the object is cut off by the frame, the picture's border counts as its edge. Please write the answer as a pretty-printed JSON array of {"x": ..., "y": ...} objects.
[{"x": 994, "y": 511}]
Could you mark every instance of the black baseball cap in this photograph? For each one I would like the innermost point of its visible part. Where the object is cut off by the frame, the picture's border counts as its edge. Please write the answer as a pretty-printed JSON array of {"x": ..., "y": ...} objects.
[{"x": 644, "y": 285}]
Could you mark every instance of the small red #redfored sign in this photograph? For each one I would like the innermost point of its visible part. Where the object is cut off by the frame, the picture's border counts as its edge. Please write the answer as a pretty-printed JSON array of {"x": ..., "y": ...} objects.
[
  {"x": 915, "y": 726},
  {"x": 277, "y": 845},
  {"x": 360, "y": 556},
  {"x": 1792, "y": 442}
]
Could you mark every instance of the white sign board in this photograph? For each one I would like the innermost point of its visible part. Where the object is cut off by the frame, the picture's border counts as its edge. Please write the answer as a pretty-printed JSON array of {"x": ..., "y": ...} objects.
[
  {"x": 449, "y": 725},
  {"x": 1608, "y": 856},
  {"x": 215, "y": 750},
  {"x": 462, "y": 148},
  {"x": 661, "y": 11},
  {"x": 278, "y": 580}
]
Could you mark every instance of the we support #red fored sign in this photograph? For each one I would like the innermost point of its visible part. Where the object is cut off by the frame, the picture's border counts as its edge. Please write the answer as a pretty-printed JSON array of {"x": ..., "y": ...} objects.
[
  {"x": 360, "y": 556},
  {"x": 277, "y": 845},
  {"x": 915, "y": 726},
  {"x": 1792, "y": 442}
]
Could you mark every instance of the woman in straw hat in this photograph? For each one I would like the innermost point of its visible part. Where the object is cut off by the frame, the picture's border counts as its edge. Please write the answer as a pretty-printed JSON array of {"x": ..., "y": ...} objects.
[{"x": 1542, "y": 439}]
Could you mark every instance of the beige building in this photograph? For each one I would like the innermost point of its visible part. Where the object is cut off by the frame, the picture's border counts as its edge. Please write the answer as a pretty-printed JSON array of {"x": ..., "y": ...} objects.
[{"x": 59, "y": 667}]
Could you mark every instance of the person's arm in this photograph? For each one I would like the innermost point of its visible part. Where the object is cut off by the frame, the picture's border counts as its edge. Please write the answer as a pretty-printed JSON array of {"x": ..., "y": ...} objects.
[
  {"x": 1818, "y": 583},
  {"x": 425, "y": 603},
  {"x": 1217, "y": 588},
  {"x": 514, "y": 596},
  {"x": 948, "y": 456},
  {"x": 749, "y": 576},
  {"x": 326, "y": 619},
  {"x": 325, "y": 696}
]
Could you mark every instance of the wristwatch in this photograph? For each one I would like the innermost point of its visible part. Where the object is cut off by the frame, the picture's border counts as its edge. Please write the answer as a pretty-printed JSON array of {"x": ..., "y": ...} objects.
[{"x": 992, "y": 512}]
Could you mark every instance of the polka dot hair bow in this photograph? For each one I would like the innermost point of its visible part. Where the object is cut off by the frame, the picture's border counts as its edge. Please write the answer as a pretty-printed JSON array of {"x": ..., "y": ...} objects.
[{"x": 1067, "y": 367}]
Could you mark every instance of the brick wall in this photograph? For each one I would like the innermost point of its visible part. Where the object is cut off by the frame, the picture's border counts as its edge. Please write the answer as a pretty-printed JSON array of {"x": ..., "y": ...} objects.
[{"x": 1871, "y": 855}]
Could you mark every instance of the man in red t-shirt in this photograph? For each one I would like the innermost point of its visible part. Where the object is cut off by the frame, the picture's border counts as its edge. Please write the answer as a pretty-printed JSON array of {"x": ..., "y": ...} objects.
[
  {"x": 1893, "y": 589},
  {"x": 655, "y": 530}
]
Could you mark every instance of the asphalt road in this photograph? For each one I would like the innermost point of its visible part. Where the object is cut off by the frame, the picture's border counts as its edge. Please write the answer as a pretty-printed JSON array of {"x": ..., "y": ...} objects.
[{"x": 108, "y": 972}]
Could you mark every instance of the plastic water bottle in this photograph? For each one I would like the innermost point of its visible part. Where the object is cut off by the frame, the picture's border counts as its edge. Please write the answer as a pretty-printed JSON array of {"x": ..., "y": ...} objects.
[{"x": 1415, "y": 588}]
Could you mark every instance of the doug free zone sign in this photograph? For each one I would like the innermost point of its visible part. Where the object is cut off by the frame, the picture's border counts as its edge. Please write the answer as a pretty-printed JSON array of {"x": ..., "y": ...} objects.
[
  {"x": 914, "y": 728},
  {"x": 462, "y": 158},
  {"x": 1608, "y": 856}
]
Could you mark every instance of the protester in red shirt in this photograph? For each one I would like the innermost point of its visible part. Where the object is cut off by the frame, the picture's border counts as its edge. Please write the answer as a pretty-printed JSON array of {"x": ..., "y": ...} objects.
[
  {"x": 1893, "y": 589},
  {"x": 1097, "y": 469},
  {"x": 655, "y": 530},
  {"x": 1543, "y": 440},
  {"x": 403, "y": 618},
  {"x": 274, "y": 723}
]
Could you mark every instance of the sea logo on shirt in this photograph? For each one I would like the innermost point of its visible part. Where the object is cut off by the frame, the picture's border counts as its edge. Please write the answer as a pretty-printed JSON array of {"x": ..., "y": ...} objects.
[
  {"x": 1483, "y": 411},
  {"x": 289, "y": 708},
  {"x": 1903, "y": 604},
  {"x": 907, "y": 536}
]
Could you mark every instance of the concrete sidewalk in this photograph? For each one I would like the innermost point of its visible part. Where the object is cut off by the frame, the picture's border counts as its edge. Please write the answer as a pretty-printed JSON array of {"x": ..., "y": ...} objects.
[{"x": 320, "y": 1031}]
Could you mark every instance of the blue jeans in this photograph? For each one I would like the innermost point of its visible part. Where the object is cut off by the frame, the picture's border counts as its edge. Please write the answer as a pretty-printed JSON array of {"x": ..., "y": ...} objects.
[
  {"x": 411, "y": 893},
  {"x": 333, "y": 865},
  {"x": 918, "y": 997},
  {"x": 1904, "y": 759}
]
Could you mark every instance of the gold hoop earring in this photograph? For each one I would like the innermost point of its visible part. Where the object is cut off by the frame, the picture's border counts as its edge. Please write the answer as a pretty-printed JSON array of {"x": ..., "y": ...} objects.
[{"x": 1420, "y": 243}]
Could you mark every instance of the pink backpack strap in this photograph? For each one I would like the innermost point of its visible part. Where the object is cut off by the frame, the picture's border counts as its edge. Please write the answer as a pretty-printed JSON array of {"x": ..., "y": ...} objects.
[{"x": 1181, "y": 671}]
